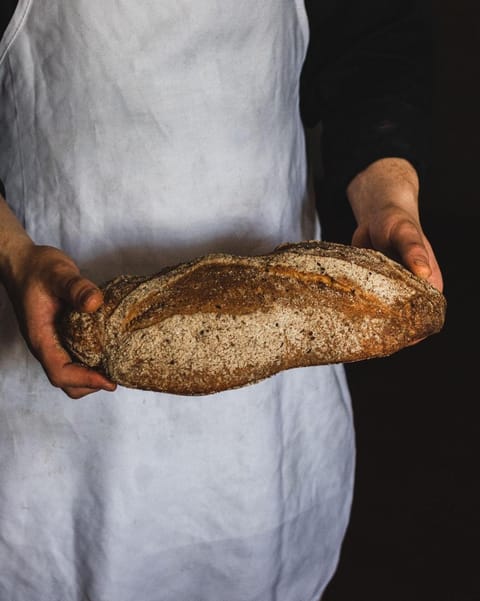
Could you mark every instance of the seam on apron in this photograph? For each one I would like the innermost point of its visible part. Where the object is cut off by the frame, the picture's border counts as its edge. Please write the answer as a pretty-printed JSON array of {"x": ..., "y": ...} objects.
[
  {"x": 14, "y": 26},
  {"x": 342, "y": 384},
  {"x": 21, "y": 216},
  {"x": 303, "y": 21}
]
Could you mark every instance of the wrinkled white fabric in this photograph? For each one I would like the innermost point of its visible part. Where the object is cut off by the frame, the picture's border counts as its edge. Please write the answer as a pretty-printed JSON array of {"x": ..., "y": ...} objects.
[{"x": 137, "y": 135}]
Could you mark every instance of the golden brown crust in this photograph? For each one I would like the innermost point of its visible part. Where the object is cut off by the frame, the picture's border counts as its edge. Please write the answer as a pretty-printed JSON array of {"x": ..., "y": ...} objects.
[{"x": 225, "y": 321}]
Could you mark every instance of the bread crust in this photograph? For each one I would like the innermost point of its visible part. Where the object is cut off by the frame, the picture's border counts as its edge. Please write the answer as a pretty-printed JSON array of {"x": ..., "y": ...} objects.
[{"x": 224, "y": 321}]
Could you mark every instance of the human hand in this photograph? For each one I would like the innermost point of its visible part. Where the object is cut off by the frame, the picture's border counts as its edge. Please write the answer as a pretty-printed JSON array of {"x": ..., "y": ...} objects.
[
  {"x": 40, "y": 281},
  {"x": 384, "y": 200}
]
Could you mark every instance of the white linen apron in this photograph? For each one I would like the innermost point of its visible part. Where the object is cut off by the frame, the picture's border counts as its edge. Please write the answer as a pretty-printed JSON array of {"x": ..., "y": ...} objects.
[{"x": 136, "y": 135}]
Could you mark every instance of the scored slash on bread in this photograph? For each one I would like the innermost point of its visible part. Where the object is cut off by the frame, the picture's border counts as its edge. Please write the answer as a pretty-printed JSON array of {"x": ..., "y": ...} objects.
[{"x": 223, "y": 321}]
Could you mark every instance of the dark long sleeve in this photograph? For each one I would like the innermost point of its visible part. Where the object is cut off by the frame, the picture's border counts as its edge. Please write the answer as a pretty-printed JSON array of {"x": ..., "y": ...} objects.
[{"x": 368, "y": 79}]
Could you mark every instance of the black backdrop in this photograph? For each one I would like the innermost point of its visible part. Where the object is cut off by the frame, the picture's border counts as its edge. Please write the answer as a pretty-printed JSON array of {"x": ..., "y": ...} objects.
[{"x": 415, "y": 528}]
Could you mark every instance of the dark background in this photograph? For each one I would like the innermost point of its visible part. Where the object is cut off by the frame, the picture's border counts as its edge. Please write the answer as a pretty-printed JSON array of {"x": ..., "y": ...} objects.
[{"x": 415, "y": 527}]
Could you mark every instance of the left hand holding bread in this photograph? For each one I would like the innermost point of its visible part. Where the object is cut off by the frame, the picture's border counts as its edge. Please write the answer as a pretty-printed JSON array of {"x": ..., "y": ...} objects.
[{"x": 384, "y": 200}]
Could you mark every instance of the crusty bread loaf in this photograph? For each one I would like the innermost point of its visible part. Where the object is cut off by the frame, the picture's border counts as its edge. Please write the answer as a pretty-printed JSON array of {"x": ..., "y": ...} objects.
[{"x": 224, "y": 321}]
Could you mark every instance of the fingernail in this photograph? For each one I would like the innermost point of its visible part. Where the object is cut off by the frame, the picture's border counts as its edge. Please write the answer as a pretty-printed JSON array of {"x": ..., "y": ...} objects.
[
  {"x": 422, "y": 268},
  {"x": 422, "y": 265}
]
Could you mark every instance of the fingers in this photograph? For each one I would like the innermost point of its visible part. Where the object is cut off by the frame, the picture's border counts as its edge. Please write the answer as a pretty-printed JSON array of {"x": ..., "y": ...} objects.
[
  {"x": 384, "y": 200},
  {"x": 53, "y": 278},
  {"x": 402, "y": 238},
  {"x": 74, "y": 379},
  {"x": 47, "y": 269},
  {"x": 79, "y": 292},
  {"x": 408, "y": 242},
  {"x": 403, "y": 241},
  {"x": 415, "y": 252}
]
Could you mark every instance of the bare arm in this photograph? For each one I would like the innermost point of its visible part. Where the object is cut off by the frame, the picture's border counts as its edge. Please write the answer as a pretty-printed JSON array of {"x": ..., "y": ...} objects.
[{"x": 39, "y": 280}]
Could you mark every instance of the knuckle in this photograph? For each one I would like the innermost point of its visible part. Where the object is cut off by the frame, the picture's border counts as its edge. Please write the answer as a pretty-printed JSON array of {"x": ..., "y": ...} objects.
[{"x": 73, "y": 283}]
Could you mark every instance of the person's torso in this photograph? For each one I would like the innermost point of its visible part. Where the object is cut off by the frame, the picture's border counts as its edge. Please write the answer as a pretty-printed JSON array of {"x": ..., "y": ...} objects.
[{"x": 137, "y": 135}]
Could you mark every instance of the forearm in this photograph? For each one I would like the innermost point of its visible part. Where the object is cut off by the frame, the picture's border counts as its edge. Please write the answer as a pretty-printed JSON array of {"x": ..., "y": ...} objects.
[{"x": 14, "y": 243}]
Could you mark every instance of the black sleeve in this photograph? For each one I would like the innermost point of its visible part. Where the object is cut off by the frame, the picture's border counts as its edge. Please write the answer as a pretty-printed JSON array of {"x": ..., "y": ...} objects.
[{"x": 368, "y": 79}]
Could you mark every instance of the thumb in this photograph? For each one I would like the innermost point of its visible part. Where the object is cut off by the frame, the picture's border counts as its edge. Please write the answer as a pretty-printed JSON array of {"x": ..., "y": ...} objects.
[
  {"x": 361, "y": 237},
  {"x": 76, "y": 290}
]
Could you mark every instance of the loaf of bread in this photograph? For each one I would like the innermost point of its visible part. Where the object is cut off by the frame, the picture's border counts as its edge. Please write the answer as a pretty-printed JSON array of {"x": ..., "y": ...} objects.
[{"x": 224, "y": 321}]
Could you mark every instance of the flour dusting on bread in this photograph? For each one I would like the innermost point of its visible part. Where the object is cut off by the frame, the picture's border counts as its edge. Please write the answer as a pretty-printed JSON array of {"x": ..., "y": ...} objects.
[{"x": 224, "y": 321}]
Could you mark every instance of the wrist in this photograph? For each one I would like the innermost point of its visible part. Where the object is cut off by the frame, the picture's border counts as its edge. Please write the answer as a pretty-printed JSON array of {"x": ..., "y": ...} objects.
[
  {"x": 13, "y": 258},
  {"x": 15, "y": 244}
]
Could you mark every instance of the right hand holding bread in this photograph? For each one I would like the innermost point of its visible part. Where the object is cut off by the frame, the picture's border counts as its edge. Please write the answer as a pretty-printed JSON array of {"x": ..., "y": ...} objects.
[{"x": 41, "y": 281}]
